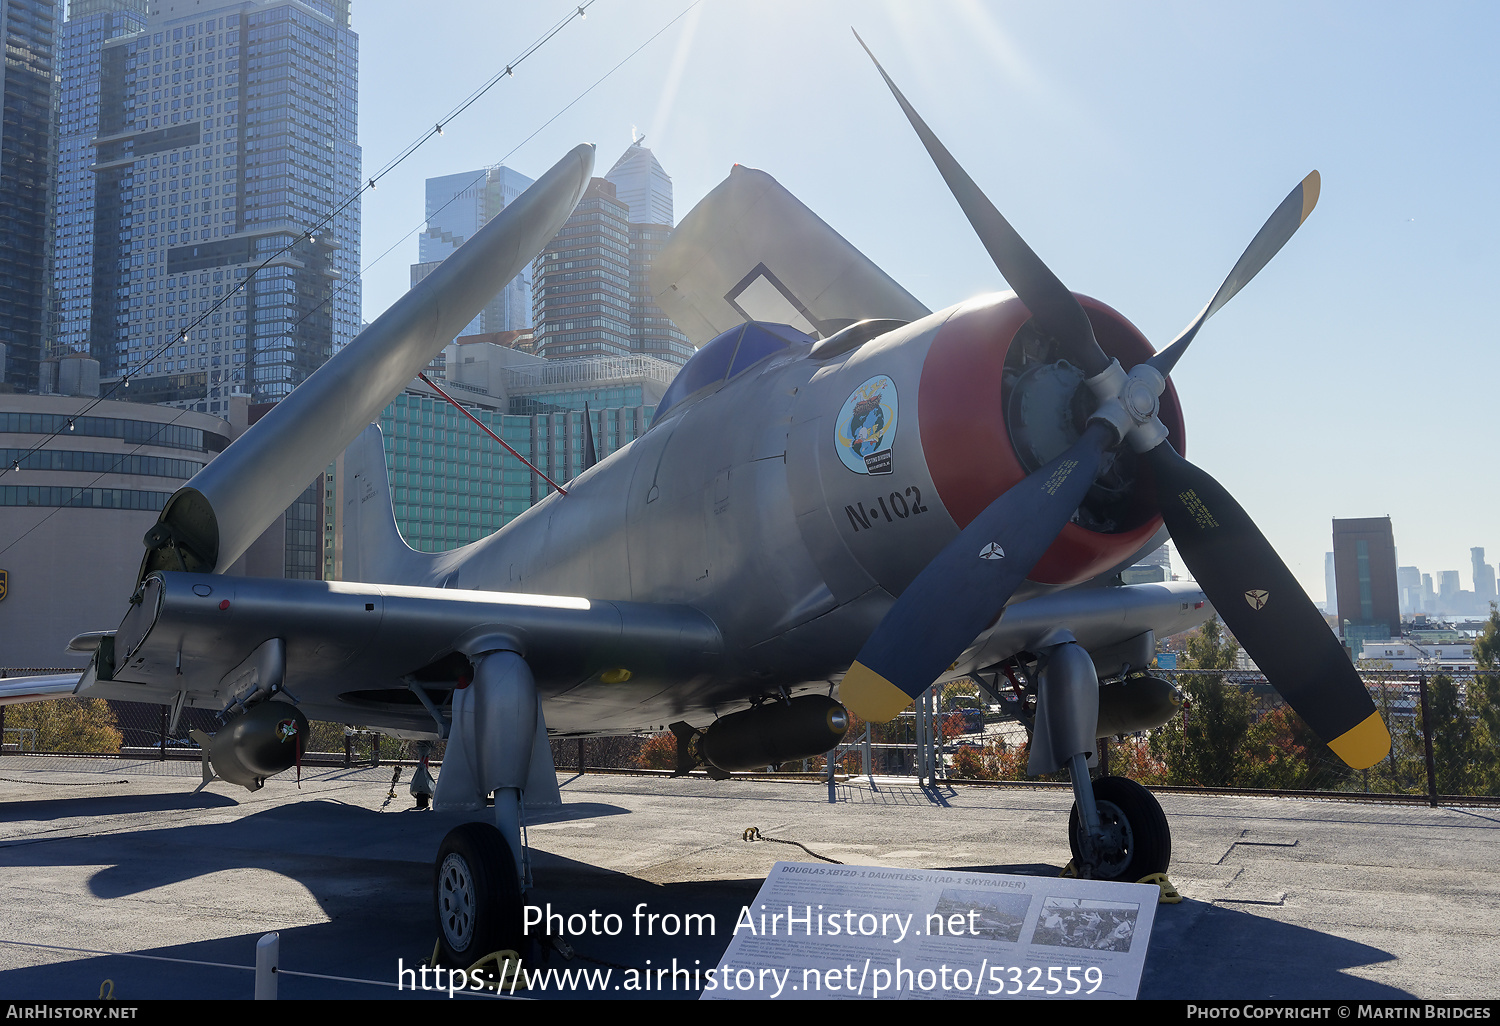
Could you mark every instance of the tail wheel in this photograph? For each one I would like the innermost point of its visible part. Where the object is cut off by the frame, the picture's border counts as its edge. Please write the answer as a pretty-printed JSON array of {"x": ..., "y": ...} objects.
[
  {"x": 476, "y": 895},
  {"x": 1137, "y": 841}
]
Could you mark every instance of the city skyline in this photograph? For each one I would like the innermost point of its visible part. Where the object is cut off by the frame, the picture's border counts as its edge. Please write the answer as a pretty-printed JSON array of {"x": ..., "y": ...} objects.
[
  {"x": 1284, "y": 380},
  {"x": 1137, "y": 150}
]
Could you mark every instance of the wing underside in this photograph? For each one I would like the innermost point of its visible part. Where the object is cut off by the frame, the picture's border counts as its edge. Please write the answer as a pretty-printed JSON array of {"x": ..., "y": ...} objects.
[{"x": 371, "y": 654}]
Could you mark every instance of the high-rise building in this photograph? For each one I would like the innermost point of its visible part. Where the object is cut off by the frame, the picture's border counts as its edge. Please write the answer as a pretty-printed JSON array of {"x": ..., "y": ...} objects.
[
  {"x": 1484, "y": 576},
  {"x": 643, "y": 186},
  {"x": 457, "y": 207},
  {"x": 77, "y": 201},
  {"x": 226, "y": 134},
  {"x": 1330, "y": 586},
  {"x": 28, "y": 28},
  {"x": 1364, "y": 556},
  {"x": 1409, "y": 584},
  {"x": 581, "y": 281}
]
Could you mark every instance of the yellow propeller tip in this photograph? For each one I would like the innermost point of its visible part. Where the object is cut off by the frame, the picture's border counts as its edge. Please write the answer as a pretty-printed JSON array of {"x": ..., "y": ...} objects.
[
  {"x": 870, "y": 696},
  {"x": 1364, "y": 744},
  {"x": 1312, "y": 185}
]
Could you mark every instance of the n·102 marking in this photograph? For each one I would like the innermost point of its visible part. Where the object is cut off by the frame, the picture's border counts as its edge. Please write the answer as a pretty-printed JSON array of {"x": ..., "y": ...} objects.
[{"x": 893, "y": 507}]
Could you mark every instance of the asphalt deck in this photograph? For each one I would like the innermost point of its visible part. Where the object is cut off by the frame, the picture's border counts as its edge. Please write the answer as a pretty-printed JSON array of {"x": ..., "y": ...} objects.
[{"x": 1283, "y": 897}]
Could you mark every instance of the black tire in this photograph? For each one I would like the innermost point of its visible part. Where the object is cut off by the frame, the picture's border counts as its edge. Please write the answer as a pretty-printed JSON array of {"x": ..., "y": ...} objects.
[
  {"x": 1137, "y": 840},
  {"x": 476, "y": 895}
]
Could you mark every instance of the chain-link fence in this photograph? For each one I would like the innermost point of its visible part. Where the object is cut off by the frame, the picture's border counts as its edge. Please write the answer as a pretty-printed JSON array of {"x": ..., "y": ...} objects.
[{"x": 1235, "y": 732}]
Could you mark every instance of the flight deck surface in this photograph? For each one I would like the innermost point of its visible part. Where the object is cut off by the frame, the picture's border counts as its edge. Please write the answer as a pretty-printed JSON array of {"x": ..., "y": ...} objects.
[{"x": 1283, "y": 898}]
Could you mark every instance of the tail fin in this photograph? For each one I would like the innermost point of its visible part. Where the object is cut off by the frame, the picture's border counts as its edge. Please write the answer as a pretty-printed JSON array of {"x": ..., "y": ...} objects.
[{"x": 374, "y": 551}]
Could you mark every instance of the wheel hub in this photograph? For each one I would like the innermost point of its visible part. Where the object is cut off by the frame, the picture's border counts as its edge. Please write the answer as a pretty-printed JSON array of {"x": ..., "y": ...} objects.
[
  {"x": 456, "y": 902},
  {"x": 1117, "y": 841}
]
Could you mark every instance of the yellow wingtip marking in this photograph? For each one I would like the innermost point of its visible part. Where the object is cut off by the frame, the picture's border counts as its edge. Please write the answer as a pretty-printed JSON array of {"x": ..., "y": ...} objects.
[
  {"x": 1364, "y": 744},
  {"x": 870, "y": 696},
  {"x": 1312, "y": 185}
]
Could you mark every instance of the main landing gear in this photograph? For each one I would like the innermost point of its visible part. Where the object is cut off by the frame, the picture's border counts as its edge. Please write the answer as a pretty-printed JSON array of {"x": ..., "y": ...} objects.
[
  {"x": 497, "y": 743},
  {"x": 1117, "y": 830},
  {"x": 477, "y": 895},
  {"x": 1134, "y": 840}
]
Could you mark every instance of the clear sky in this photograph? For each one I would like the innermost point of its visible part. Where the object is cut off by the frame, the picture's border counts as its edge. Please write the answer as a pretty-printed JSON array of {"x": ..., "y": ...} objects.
[{"x": 1136, "y": 146}]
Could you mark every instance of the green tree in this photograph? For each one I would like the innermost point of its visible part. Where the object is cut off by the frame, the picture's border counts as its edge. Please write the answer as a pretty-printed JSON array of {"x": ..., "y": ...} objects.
[
  {"x": 1485, "y": 695},
  {"x": 1203, "y": 746},
  {"x": 1456, "y": 737}
]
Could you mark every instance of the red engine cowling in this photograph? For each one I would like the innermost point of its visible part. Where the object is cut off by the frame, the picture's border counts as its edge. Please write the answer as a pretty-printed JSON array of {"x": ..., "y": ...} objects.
[{"x": 967, "y": 443}]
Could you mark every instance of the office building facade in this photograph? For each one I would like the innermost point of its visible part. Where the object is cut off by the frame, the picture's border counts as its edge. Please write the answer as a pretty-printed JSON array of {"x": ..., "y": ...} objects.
[
  {"x": 457, "y": 207},
  {"x": 77, "y": 493},
  {"x": 581, "y": 281},
  {"x": 1364, "y": 555},
  {"x": 226, "y": 135},
  {"x": 593, "y": 281},
  {"x": 81, "y": 210},
  {"x": 27, "y": 74}
]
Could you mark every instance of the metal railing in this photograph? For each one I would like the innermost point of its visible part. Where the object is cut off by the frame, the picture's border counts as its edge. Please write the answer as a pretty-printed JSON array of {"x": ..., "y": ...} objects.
[{"x": 588, "y": 371}]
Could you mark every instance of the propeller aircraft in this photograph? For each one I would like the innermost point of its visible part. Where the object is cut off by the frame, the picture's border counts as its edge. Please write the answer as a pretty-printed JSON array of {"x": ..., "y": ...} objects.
[{"x": 842, "y": 499}]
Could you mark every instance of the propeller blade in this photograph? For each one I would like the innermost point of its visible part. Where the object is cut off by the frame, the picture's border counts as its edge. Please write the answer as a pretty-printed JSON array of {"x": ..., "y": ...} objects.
[
  {"x": 1048, "y": 299},
  {"x": 1280, "y": 227},
  {"x": 963, "y": 589},
  {"x": 1267, "y": 610}
]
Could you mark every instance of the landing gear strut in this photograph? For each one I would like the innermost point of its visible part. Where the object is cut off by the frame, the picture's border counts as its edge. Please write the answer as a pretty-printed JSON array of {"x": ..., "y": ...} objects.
[
  {"x": 481, "y": 871},
  {"x": 1117, "y": 830}
]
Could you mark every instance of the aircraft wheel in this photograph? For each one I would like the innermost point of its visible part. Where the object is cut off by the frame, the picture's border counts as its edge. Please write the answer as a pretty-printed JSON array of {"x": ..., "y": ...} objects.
[
  {"x": 476, "y": 895},
  {"x": 1137, "y": 840}
]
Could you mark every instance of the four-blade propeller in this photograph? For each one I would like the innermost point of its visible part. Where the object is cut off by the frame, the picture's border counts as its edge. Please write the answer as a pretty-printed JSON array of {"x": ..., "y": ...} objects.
[{"x": 965, "y": 588}]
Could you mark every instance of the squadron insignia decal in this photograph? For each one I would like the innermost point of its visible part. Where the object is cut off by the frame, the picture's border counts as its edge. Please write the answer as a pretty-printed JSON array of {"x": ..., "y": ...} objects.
[
  {"x": 1257, "y": 598},
  {"x": 992, "y": 551},
  {"x": 866, "y": 427}
]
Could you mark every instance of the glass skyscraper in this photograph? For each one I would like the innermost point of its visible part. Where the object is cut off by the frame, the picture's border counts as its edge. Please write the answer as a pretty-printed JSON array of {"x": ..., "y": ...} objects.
[
  {"x": 226, "y": 133},
  {"x": 28, "y": 28},
  {"x": 90, "y": 24},
  {"x": 642, "y": 185},
  {"x": 457, "y": 207}
]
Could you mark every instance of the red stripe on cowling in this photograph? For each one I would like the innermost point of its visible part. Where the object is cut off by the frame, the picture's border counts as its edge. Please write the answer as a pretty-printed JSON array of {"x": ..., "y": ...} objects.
[{"x": 964, "y": 438}]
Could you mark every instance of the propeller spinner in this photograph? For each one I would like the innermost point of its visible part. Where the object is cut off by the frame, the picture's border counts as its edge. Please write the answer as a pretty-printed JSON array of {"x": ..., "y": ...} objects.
[{"x": 966, "y": 586}]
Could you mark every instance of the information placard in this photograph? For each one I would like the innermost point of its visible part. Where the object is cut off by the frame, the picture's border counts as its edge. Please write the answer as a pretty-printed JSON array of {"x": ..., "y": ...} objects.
[{"x": 824, "y": 931}]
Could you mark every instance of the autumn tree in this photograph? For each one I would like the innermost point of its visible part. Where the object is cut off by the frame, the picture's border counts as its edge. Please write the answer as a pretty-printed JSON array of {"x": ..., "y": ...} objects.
[{"x": 83, "y": 725}]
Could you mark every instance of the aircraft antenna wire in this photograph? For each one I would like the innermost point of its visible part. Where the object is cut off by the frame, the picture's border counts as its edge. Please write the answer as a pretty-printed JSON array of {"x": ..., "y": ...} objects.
[{"x": 483, "y": 427}]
